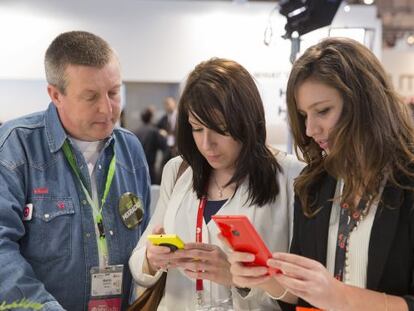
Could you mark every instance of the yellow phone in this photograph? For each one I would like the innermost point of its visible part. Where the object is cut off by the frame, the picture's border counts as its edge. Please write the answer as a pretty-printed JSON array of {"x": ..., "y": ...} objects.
[{"x": 172, "y": 241}]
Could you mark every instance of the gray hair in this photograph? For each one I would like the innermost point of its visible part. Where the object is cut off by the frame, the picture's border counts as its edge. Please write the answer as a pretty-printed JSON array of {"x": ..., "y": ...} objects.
[{"x": 74, "y": 48}]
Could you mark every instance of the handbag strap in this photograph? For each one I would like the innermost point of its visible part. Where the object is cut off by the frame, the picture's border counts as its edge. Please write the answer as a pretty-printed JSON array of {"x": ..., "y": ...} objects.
[{"x": 183, "y": 166}]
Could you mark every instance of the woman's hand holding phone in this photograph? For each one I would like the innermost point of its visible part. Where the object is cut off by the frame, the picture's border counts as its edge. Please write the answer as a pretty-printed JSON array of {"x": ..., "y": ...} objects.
[
  {"x": 310, "y": 280},
  {"x": 198, "y": 260},
  {"x": 245, "y": 275},
  {"x": 159, "y": 257},
  {"x": 205, "y": 261}
]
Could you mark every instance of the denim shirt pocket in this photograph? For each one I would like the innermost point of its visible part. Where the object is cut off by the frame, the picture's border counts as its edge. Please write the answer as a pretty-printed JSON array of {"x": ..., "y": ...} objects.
[{"x": 48, "y": 233}]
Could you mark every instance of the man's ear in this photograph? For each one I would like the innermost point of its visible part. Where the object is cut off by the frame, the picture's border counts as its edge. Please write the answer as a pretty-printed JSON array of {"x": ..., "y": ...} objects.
[{"x": 54, "y": 94}]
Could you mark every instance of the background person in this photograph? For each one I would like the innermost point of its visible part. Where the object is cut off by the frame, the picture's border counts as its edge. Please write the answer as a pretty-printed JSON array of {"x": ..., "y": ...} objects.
[
  {"x": 167, "y": 124},
  {"x": 221, "y": 135},
  {"x": 64, "y": 175},
  {"x": 353, "y": 241},
  {"x": 152, "y": 142}
]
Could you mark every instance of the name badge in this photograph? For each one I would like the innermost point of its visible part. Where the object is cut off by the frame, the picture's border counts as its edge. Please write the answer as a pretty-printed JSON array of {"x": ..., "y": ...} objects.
[
  {"x": 106, "y": 282},
  {"x": 130, "y": 209}
]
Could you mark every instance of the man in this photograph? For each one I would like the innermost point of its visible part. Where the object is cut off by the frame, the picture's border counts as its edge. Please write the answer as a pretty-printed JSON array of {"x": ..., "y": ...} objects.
[
  {"x": 72, "y": 186},
  {"x": 167, "y": 125},
  {"x": 151, "y": 141}
]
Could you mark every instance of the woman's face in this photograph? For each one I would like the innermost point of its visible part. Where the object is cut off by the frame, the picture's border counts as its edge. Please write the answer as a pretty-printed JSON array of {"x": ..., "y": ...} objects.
[
  {"x": 321, "y": 106},
  {"x": 220, "y": 151}
]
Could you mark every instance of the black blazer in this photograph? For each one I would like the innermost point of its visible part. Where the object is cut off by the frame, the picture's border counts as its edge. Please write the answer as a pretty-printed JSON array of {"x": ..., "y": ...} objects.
[
  {"x": 391, "y": 246},
  {"x": 163, "y": 123}
]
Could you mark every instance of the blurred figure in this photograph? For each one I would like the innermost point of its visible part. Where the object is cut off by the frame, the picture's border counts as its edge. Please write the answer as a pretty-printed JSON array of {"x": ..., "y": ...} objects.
[
  {"x": 167, "y": 123},
  {"x": 152, "y": 141}
]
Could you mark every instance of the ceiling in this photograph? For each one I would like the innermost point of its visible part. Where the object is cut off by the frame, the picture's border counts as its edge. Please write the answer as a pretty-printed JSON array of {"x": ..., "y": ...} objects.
[{"x": 397, "y": 19}]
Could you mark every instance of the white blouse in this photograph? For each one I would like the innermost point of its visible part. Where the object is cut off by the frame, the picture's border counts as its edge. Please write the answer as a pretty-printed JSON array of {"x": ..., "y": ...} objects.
[
  {"x": 176, "y": 211},
  {"x": 356, "y": 267}
]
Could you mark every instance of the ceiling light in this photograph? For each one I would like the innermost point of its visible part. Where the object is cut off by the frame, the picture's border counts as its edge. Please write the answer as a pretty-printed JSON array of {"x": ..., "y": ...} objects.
[
  {"x": 410, "y": 39},
  {"x": 369, "y": 2}
]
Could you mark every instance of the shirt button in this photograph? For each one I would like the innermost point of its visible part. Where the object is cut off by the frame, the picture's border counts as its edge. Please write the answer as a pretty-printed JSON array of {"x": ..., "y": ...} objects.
[
  {"x": 88, "y": 235},
  {"x": 47, "y": 216},
  {"x": 111, "y": 232},
  {"x": 84, "y": 202},
  {"x": 100, "y": 166}
]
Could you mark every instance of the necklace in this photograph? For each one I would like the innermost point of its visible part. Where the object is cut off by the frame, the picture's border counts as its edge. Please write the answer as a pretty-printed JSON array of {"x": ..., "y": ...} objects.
[{"x": 220, "y": 189}]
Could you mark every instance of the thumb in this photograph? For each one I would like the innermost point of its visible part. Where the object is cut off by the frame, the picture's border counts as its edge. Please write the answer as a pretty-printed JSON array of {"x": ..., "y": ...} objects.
[{"x": 158, "y": 229}]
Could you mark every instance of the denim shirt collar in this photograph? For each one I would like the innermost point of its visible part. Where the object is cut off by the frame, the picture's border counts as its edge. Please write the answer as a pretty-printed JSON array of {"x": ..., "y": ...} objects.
[{"x": 55, "y": 132}]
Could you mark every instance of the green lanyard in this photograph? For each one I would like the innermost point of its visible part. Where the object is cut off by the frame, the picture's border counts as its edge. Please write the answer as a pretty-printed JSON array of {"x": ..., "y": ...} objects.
[{"x": 102, "y": 245}]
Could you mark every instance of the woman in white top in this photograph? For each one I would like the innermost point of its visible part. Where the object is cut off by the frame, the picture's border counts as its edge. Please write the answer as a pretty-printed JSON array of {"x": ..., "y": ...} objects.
[
  {"x": 353, "y": 239},
  {"x": 221, "y": 135}
]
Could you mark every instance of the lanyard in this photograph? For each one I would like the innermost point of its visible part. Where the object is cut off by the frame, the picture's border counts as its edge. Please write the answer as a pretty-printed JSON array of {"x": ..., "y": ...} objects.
[
  {"x": 102, "y": 246},
  {"x": 199, "y": 232}
]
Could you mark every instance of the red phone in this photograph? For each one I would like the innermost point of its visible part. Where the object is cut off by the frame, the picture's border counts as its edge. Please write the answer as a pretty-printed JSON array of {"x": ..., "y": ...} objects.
[{"x": 243, "y": 237}]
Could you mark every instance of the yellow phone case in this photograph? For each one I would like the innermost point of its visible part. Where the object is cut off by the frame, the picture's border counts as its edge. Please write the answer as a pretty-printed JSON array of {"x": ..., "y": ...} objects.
[{"x": 170, "y": 240}]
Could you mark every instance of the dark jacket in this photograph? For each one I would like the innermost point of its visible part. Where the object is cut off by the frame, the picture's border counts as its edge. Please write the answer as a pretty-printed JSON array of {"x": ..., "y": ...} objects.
[
  {"x": 391, "y": 246},
  {"x": 151, "y": 141}
]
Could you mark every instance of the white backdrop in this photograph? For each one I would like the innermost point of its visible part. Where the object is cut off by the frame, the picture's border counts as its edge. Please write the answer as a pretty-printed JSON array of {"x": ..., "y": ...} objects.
[{"x": 157, "y": 41}]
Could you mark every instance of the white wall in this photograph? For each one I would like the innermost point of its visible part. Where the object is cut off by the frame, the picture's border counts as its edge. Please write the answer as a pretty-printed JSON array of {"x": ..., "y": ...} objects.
[
  {"x": 157, "y": 41},
  {"x": 19, "y": 97},
  {"x": 401, "y": 71}
]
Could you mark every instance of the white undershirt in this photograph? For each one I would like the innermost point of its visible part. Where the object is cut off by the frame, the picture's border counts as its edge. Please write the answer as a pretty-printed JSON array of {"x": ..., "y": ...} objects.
[
  {"x": 90, "y": 151},
  {"x": 356, "y": 273}
]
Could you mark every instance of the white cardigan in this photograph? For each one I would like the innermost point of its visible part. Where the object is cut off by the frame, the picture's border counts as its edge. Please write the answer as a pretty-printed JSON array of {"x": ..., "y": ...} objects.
[{"x": 177, "y": 211}]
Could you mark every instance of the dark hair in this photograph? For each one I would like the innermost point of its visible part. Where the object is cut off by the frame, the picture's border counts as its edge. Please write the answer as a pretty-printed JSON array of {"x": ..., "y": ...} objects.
[
  {"x": 222, "y": 89},
  {"x": 146, "y": 115},
  {"x": 76, "y": 48},
  {"x": 374, "y": 132}
]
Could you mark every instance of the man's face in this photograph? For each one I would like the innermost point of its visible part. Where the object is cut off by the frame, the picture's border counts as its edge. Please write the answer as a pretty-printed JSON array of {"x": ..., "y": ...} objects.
[
  {"x": 169, "y": 105},
  {"x": 91, "y": 104}
]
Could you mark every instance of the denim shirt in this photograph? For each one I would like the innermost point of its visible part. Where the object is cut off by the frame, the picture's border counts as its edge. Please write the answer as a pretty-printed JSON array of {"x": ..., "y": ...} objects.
[{"x": 48, "y": 259}]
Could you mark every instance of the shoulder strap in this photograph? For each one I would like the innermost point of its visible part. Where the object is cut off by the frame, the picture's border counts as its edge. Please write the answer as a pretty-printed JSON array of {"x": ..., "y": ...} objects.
[
  {"x": 183, "y": 166},
  {"x": 273, "y": 150}
]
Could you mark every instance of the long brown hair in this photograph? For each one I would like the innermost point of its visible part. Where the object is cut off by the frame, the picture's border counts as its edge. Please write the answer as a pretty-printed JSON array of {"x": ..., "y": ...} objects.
[
  {"x": 374, "y": 132},
  {"x": 222, "y": 89}
]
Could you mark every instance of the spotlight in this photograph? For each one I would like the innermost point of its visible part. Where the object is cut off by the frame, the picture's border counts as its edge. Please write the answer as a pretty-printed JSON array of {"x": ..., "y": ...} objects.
[
  {"x": 410, "y": 39},
  {"x": 304, "y": 16}
]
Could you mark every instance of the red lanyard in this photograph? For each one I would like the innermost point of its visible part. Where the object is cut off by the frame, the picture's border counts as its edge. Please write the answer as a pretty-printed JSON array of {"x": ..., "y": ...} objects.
[{"x": 199, "y": 232}]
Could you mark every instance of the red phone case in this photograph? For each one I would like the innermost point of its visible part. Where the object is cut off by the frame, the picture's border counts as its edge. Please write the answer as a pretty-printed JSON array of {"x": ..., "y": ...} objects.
[{"x": 243, "y": 237}]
